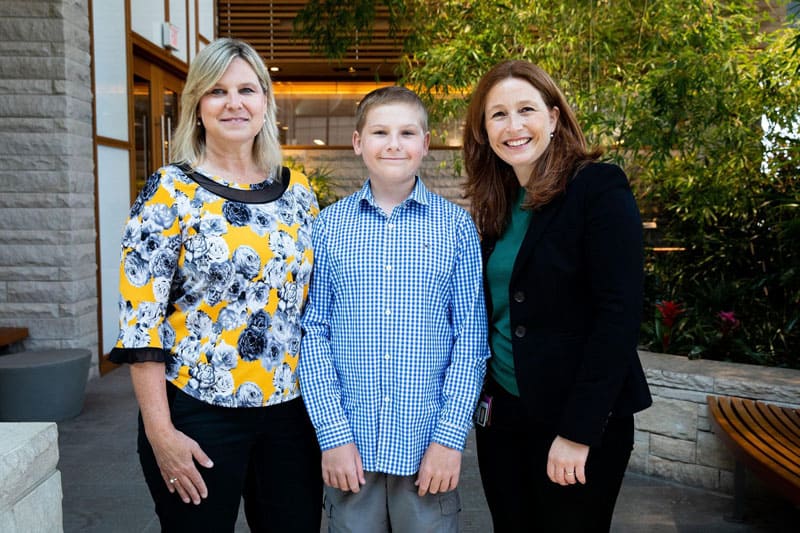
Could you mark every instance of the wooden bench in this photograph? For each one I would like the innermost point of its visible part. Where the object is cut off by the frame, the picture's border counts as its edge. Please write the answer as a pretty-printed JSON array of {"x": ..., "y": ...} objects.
[
  {"x": 763, "y": 437},
  {"x": 9, "y": 336}
]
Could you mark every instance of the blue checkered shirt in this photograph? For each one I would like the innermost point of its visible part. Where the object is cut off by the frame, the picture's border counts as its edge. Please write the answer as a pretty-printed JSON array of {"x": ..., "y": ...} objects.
[{"x": 395, "y": 342}]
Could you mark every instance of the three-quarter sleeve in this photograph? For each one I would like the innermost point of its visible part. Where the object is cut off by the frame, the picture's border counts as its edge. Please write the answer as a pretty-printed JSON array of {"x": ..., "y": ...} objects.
[{"x": 151, "y": 243}]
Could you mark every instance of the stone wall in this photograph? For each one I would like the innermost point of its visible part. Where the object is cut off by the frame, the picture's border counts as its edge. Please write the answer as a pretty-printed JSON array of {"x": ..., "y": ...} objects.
[
  {"x": 48, "y": 268},
  {"x": 30, "y": 485},
  {"x": 674, "y": 439}
]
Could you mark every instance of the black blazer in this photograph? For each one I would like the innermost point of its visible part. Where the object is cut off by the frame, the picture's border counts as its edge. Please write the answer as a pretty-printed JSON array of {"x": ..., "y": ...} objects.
[{"x": 575, "y": 297}]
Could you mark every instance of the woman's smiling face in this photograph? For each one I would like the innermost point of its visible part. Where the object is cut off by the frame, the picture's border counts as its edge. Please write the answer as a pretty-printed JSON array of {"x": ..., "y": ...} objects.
[
  {"x": 233, "y": 110},
  {"x": 518, "y": 124}
]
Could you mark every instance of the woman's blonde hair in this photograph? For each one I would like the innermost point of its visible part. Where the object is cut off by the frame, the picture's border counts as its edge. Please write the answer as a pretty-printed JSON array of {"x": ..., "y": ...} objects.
[{"x": 189, "y": 141}]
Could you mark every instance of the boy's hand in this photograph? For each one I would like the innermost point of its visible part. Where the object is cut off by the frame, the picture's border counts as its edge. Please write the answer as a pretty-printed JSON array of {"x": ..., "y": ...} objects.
[
  {"x": 342, "y": 469},
  {"x": 566, "y": 462},
  {"x": 439, "y": 470}
]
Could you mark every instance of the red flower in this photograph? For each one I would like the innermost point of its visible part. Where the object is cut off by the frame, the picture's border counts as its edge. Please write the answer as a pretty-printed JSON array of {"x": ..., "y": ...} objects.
[
  {"x": 669, "y": 311},
  {"x": 729, "y": 322}
]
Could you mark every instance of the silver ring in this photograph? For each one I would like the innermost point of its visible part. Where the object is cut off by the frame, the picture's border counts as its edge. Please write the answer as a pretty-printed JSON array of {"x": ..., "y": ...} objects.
[{"x": 172, "y": 480}]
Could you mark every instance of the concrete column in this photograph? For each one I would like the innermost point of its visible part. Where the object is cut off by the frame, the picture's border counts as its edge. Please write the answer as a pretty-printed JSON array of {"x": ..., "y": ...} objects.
[
  {"x": 30, "y": 485},
  {"x": 47, "y": 219}
]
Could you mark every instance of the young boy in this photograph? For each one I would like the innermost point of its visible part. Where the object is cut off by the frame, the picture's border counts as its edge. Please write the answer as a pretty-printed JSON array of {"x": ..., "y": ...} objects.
[{"x": 394, "y": 347}]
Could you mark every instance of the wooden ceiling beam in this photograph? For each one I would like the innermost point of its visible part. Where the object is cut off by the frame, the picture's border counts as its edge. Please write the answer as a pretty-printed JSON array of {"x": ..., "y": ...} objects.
[{"x": 268, "y": 26}]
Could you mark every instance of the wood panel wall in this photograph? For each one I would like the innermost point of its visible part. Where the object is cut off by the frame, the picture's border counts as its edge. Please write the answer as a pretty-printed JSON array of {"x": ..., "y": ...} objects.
[{"x": 268, "y": 26}]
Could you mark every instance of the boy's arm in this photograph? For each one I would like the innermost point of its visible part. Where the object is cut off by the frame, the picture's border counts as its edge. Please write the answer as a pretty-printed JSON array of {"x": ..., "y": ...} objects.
[
  {"x": 464, "y": 377},
  {"x": 319, "y": 384}
]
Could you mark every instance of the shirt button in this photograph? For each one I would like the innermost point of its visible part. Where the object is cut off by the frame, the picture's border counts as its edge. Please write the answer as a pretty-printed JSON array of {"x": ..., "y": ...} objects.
[
  {"x": 387, "y": 356},
  {"x": 519, "y": 297},
  {"x": 519, "y": 331},
  {"x": 387, "y": 399},
  {"x": 388, "y": 268},
  {"x": 390, "y": 225},
  {"x": 388, "y": 312}
]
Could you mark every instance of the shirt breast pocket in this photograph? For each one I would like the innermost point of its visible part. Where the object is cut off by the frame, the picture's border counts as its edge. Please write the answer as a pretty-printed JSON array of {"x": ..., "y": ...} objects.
[{"x": 434, "y": 265}]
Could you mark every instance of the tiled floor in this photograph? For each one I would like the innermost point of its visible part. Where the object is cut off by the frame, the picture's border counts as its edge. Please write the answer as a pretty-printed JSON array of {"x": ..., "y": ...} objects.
[{"x": 104, "y": 491}]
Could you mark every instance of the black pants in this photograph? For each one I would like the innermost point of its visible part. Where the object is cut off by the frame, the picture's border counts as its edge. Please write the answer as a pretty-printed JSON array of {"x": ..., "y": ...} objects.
[
  {"x": 512, "y": 455},
  {"x": 267, "y": 455}
]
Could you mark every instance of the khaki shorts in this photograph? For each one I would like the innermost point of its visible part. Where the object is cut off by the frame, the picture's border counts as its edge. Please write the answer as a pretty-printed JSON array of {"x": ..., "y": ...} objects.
[{"x": 390, "y": 503}]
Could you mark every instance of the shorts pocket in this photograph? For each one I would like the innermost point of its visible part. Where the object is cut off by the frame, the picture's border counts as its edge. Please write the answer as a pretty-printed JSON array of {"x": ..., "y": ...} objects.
[
  {"x": 450, "y": 503},
  {"x": 327, "y": 506}
]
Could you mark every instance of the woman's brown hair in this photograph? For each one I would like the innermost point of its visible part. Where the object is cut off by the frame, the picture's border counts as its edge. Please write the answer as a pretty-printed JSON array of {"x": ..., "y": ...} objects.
[{"x": 491, "y": 183}]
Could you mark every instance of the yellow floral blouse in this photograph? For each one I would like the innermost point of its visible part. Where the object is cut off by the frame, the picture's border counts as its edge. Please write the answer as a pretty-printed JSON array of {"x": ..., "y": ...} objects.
[{"x": 215, "y": 287}]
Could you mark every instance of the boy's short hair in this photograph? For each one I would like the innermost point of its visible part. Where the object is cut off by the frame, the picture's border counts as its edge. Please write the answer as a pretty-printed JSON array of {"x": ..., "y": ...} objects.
[{"x": 393, "y": 94}]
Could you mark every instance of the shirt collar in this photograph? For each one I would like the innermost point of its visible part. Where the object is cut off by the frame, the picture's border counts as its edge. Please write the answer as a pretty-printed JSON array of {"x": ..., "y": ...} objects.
[{"x": 419, "y": 194}]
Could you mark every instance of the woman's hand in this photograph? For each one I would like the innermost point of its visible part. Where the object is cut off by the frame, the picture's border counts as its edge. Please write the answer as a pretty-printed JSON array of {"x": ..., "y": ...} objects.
[
  {"x": 175, "y": 452},
  {"x": 176, "y": 455},
  {"x": 566, "y": 462}
]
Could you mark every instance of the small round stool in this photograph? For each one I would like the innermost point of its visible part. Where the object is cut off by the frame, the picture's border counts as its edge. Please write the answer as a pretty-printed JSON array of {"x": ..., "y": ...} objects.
[{"x": 43, "y": 386}]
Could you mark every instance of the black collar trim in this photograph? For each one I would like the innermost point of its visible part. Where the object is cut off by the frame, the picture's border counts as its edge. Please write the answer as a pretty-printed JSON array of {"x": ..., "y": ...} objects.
[{"x": 264, "y": 195}]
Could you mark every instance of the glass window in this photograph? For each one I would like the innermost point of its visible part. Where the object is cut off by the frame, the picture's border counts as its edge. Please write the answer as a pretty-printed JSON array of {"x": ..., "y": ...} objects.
[
  {"x": 323, "y": 114},
  {"x": 318, "y": 114},
  {"x": 110, "y": 75}
]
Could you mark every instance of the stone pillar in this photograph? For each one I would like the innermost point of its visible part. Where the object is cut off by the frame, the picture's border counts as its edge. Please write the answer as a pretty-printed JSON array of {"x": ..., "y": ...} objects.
[
  {"x": 30, "y": 485},
  {"x": 48, "y": 263}
]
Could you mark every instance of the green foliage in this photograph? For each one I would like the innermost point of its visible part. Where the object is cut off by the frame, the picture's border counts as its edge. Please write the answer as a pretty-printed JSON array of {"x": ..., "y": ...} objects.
[
  {"x": 678, "y": 93},
  {"x": 729, "y": 192},
  {"x": 334, "y": 26},
  {"x": 320, "y": 180}
]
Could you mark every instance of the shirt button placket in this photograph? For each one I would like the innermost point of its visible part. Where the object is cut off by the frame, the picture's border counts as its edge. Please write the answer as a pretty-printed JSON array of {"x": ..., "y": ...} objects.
[{"x": 385, "y": 424}]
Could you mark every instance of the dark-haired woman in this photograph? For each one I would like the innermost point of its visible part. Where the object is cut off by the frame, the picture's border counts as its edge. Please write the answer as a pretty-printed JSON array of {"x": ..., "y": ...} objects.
[{"x": 562, "y": 248}]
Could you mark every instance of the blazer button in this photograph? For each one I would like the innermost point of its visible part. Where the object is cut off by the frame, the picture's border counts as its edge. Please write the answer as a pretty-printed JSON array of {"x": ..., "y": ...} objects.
[
  {"x": 519, "y": 297},
  {"x": 519, "y": 331}
]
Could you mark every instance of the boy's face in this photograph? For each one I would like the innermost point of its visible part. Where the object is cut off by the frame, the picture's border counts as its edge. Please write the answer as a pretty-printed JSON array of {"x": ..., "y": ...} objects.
[{"x": 392, "y": 142}]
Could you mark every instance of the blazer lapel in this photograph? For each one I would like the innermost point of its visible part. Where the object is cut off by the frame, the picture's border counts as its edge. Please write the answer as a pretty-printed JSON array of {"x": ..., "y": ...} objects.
[{"x": 539, "y": 221}]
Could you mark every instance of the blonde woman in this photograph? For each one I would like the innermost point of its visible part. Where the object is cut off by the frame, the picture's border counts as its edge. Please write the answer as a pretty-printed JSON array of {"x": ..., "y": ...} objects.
[{"x": 216, "y": 262}]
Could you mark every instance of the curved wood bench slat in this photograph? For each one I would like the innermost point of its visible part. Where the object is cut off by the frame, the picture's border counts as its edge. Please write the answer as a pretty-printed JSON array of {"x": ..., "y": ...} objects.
[
  {"x": 761, "y": 452},
  {"x": 762, "y": 436},
  {"x": 749, "y": 432},
  {"x": 778, "y": 419},
  {"x": 794, "y": 416},
  {"x": 768, "y": 437}
]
